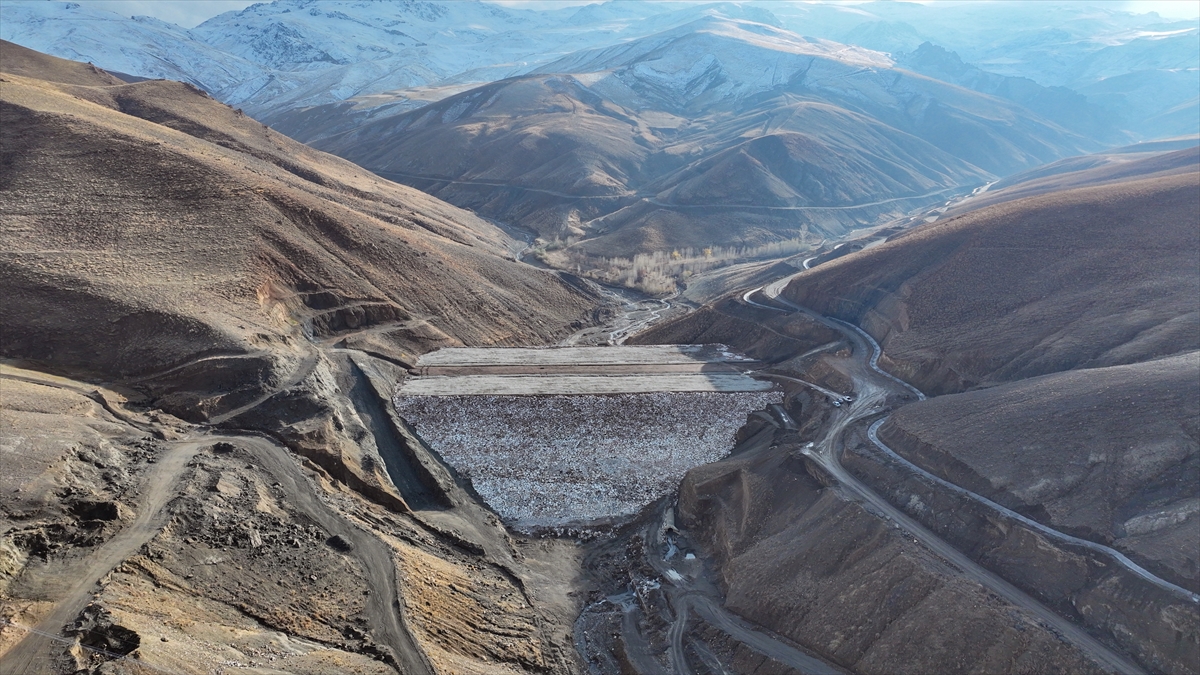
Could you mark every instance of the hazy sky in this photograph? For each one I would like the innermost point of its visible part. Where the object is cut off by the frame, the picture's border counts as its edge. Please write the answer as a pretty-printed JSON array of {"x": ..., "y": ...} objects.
[{"x": 189, "y": 13}]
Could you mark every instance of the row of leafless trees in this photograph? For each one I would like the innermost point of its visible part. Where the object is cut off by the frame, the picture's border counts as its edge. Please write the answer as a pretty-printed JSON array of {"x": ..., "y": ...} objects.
[{"x": 661, "y": 272}]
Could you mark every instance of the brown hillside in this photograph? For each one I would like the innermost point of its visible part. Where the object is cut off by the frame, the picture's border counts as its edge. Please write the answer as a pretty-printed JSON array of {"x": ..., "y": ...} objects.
[
  {"x": 1087, "y": 277},
  {"x": 20, "y": 60},
  {"x": 1089, "y": 171},
  {"x": 147, "y": 225},
  {"x": 687, "y": 138},
  {"x": 1111, "y": 454}
]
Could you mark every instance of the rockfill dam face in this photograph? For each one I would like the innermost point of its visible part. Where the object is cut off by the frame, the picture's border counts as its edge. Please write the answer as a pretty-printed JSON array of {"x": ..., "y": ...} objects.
[{"x": 580, "y": 436}]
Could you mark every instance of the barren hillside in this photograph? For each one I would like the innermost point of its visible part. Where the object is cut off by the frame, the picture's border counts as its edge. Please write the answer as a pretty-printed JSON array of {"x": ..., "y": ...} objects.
[
  {"x": 1084, "y": 277},
  {"x": 1057, "y": 326},
  {"x": 683, "y": 139},
  {"x": 1110, "y": 454},
  {"x": 214, "y": 474},
  {"x": 149, "y": 226}
]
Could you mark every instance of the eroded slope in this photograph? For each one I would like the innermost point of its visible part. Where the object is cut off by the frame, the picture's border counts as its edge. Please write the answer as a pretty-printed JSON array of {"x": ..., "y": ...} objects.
[{"x": 1111, "y": 454}]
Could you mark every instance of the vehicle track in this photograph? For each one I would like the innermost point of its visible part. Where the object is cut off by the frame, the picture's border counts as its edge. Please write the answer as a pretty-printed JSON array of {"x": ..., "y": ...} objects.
[
  {"x": 30, "y": 654},
  {"x": 846, "y": 207},
  {"x": 383, "y": 606},
  {"x": 303, "y": 370},
  {"x": 687, "y": 595},
  {"x": 870, "y": 396},
  {"x": 383, "y": 611},
  {"x": 1117, "y": 556}
]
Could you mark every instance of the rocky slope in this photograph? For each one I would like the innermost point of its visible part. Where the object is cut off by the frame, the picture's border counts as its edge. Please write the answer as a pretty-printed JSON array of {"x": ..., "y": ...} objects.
[
  {"x": 278, "y": 56},
  {"x": 194, "y": 232}
]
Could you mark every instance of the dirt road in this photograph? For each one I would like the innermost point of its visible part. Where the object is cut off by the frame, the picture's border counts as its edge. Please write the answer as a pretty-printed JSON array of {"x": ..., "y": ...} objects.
[
  {"x": 383, "y": 609},
  {"x": 873, "y": 386},
  {"x": 159, "y": 486},
  {"x": 31, "y": 654}
]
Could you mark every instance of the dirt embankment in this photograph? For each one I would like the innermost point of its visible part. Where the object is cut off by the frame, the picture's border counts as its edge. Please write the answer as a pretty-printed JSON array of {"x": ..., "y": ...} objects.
[
  {"x": 1098, "y": 282},
  {"x": 251, "y": 557},
  {"x": 1109, "y": 455}
]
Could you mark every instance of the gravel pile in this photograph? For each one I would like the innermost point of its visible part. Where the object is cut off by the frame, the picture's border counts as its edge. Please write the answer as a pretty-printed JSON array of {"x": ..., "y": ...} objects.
[{"x": 548, "y": 461}]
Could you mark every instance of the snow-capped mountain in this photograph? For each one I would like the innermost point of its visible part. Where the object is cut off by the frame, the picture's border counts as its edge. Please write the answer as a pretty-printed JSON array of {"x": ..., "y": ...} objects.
[
  {"x": 142, "y": 46},
  {"x": 722, "y": 131},
  {"x": 274, "y": 58},
  {"x": 398, "y": 45},
  {"x": 710, "y": 61}
]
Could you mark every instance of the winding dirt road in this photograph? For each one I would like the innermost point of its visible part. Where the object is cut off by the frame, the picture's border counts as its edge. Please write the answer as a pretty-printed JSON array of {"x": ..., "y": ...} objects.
[
  {"x": 31, "y": 654},
  {"x": 160, "y": 485},
  {"x": 753, "y": 207},
  {"x": 873, "y": 386},
  {"x": 498, "y": 184},
  {"x": 1112, "y": 553},
  {"x": 383, "y": 609}
]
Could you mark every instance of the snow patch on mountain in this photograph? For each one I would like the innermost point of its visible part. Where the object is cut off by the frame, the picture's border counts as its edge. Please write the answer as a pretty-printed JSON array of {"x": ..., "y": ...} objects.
[{"x": 141, "y": 45}]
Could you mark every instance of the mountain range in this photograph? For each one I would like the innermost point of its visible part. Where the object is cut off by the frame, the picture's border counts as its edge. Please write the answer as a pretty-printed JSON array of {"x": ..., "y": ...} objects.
[
  {"x": 278, "y": 56},
  {"x": 980, "y": 451},
  {"x": 719, "y": 132},
  {"x": 636, "y": 127}
]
